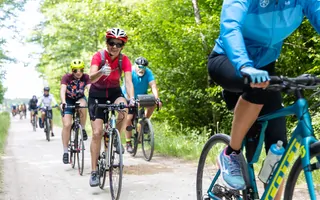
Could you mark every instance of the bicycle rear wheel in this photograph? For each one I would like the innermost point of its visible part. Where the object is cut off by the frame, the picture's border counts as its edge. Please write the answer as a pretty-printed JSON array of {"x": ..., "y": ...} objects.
[
  {"x": 116, "y": 166},
  {"x": 80, "y": 149},
  {"x": 147, "y": 135},
  {"x": 211, "y": 150},
  {"x": 296, "y": 187}
]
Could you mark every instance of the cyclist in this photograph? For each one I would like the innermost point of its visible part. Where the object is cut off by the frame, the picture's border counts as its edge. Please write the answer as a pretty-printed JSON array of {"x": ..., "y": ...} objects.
[
  {"x": 142, "y": 78},
  {"x": 46, "y": 100},
  {"x": 32, "y": 107},
  {"x": 250, "y": 41},
  {"x": 14, "y": 109},
  {"x": 71, "y": 91},
  {"x": 105, "y": 79}
]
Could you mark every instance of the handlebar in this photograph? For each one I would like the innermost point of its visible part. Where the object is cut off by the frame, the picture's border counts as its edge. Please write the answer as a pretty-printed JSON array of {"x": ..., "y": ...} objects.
[
  {"x": 109, "y": 106},
  {"x": 284, "y": 83}
]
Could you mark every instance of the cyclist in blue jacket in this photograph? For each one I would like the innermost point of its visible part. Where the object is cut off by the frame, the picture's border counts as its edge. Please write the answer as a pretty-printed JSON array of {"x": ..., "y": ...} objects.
[{"x": 250, "y": 41}]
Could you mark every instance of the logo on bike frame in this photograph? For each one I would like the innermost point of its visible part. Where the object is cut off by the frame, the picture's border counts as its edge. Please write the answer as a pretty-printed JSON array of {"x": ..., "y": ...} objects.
[{"x": 264, "y": 3}]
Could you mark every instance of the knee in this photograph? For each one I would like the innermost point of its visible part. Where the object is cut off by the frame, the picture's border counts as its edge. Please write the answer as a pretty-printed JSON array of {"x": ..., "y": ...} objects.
[
  {"x": 67, "y": 125},
  {"x": 96, "y": 134}
]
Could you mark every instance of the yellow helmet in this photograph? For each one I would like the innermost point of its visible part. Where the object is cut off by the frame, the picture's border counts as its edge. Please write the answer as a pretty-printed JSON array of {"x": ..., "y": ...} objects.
[{"x": 77, "y": 64}]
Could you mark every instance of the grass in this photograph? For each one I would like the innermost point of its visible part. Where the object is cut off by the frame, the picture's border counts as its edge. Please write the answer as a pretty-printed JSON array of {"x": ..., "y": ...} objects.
[{"x": 4, "y": 127}]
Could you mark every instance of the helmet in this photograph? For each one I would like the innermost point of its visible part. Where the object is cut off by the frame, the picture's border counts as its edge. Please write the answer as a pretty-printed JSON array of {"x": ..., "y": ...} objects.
[
  {"x": 46, "y": 89},
  {"x": 34, "y": 97},
  {"x": 118, "y": 34},
  {"x": 141, "y": 61},
  {"x": 77, "y": 64}
]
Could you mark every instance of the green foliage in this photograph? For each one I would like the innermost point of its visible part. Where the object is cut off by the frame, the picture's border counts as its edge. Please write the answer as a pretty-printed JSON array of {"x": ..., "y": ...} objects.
[
  {"x": 4, "y": 127},
  {"x": 165, "y": 32}
]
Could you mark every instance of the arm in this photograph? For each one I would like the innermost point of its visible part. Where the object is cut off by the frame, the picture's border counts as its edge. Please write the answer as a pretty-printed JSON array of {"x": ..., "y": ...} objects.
[
  {"x": 312, "y": 12},
  {"x": 63, "y": 90},
  {"x": 40, "y": 102},
  {"x": 128, "y": 84},
  {"x": 54, "y": 100},
  {"x": 154, "y": 88},
  {"x": 88, "y": 87},
  {"x": 233, "y": 15},
  {"x": 94, "y": 73}
]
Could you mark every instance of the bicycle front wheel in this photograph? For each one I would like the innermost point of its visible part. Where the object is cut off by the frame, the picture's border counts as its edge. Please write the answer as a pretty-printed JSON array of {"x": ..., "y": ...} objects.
[
  {"x": 34, "y": 123},
  {"x": 147, "y": 139},
  {"x": 80, "y": 150},
  {"x": 135, "y": 140},
  {"x": 296, "y": 186},
  {"x": 72, "y": 159},
  {"x": 116, "y": 166},
  {"x": 208, "y": 172},
  {"x": 48, "y": 128}
]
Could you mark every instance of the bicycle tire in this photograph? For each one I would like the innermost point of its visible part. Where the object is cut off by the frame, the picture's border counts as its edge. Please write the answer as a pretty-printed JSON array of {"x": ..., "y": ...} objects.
[
  {"x": 34, "y": 123},
  {"x": 102, "y": 166},
  {"x": 115, "y": 195},
  {"x": 147, "y": 156},
  {"x": 296, "y": 170},
  {"x": 72, "y": 147},
  {"x": 47, "y": 129},
  {"x": 208, "y": 145},
  {"x": 135, "y": 140},
  {"x": 80, "y": 150}
]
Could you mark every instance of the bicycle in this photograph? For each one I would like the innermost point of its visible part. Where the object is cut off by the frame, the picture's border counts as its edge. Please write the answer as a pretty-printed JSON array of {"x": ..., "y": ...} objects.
[
  {"x": 147, "y": 136},
  {"x": 302, "y": 138},
  {"x": 76, "y": 142},
  {"x": 111, "y": 139},
  {"x": 34, "y": 119},
  {"x": 46, "y": 122}
]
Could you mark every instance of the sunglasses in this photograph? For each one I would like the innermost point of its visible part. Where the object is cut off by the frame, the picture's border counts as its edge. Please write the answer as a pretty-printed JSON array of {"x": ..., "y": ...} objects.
[
  {"x": 142, "y": 67},
  {"x": 76, "y": 70},
  {"x": 118, "y": 45}
]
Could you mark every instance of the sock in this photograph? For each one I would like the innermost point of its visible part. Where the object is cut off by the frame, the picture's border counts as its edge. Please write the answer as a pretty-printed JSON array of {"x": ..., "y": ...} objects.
[
  {"x": 65, "y": 149},
  {"x": 230, "y": 150}
]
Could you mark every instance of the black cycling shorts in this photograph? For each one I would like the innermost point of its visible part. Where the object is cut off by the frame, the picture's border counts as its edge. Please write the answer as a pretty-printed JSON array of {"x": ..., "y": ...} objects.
[
  {"x": 223, "y": 73},
  {"x": 113, "y": 94}
]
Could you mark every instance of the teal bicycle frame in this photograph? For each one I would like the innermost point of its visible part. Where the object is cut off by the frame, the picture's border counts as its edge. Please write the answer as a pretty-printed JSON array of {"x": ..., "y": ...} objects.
[{"x": 302, "y": 138}]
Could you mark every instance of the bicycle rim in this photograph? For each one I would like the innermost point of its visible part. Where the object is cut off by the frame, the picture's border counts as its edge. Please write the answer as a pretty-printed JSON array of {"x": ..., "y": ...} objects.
[
  {"x": 147, "y": 140},
  {"x": 116, "y": 167},
  {"x": 102, "y": 167},
  {"x": 207, "y": 162},
  {"x": 296, "y": 187},
  {"x": 34, "y": 124},
  {"x": 80, "y": 150}
]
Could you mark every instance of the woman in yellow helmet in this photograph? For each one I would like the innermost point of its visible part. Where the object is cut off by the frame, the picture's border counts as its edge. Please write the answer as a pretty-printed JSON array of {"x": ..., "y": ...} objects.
[{"x": 72, "y": 90}]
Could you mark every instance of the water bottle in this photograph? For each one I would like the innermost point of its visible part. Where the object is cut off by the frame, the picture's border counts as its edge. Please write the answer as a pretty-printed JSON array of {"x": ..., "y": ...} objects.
[{"x": 274, "y": 155}]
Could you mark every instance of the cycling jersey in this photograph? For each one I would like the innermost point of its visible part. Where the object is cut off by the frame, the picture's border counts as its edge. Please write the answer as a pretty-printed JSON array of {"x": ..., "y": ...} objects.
[
  {"x": 100, "y": 88},
  {"x": 140, "y": 83},
  {"x": 33, "y": 104},
  {"x": 252, "y": 31},
  {"x": 47, "y": 101}
]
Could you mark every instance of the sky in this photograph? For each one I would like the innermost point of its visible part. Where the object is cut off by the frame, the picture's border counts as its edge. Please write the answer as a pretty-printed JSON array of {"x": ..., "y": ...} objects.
[{"x": 21, "y": 81}]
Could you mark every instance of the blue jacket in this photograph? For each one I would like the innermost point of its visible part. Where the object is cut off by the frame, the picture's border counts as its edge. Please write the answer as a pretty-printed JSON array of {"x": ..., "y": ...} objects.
[{"x": 252, "y": 31}]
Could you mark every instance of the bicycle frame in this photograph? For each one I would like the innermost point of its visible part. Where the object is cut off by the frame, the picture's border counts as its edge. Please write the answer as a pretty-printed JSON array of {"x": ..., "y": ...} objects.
[{"x": 302, "y": 138}]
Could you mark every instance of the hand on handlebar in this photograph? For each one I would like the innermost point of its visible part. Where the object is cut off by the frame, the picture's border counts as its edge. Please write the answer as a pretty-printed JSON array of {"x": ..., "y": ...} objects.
[
  {"x": 159, "y": 103},
  {"x": 132, "y": 102},
  {"x": 259, "y": 78},
  {"x": 63, "y": 106}
]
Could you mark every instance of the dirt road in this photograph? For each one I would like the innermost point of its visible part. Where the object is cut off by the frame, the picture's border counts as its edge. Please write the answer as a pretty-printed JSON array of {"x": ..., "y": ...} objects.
[{"x": 33, "y": 170}]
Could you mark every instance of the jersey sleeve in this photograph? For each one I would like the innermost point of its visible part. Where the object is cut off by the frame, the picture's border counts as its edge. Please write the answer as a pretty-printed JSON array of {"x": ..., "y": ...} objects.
[
  {"x": 126, "y": 64},
  {"x": 233, "y": 15},
  {"x": 64, "y": 79},
  {"x": 96, "y": 59},
  {"x": 150, "y": 75},
  {"x": 312, "y": 12}
]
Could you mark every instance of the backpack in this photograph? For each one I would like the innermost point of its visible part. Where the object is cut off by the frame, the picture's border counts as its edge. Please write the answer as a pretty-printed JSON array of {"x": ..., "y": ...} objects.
[{"x": 103, "y": 62}]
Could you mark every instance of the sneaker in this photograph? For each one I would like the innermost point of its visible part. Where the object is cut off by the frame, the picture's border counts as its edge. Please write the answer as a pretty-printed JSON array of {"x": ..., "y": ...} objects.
[
  {"x": 65, "y": 158},
  {"x": 231, "y": 170},
  {"x": 52, "y": 134},
  {"x": 129, "y": 147},
  {"x": 94, "y": 179},
  {"x": 85, "y": 135}
]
